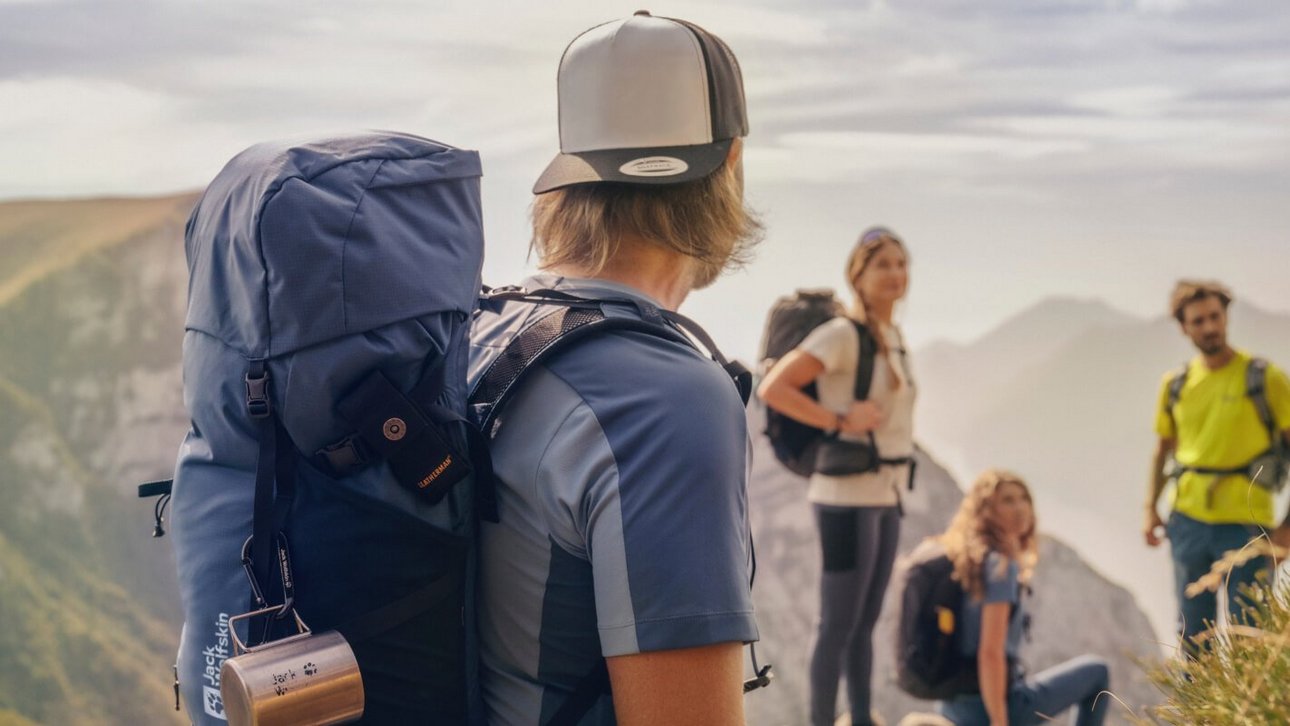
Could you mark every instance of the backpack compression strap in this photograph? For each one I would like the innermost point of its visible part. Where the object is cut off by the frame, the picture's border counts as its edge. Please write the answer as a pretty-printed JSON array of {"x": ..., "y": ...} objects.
[{"x": 275, "y": 485}]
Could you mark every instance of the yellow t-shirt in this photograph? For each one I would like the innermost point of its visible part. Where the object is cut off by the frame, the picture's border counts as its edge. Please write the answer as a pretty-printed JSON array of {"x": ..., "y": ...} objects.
[{"x": 1217, "y": 426}]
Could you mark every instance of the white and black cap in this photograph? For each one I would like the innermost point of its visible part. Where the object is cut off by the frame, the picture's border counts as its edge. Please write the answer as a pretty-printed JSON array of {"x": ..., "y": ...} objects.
[{"x": 645, "y": 100}]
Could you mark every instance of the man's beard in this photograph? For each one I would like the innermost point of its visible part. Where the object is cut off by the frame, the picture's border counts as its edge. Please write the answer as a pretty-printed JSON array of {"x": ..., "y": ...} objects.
[{"x": 1211, "y": 346}]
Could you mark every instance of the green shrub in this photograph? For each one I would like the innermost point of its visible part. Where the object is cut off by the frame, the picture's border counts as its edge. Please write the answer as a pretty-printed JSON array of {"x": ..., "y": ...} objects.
[{"x": 1238, "y": 674}]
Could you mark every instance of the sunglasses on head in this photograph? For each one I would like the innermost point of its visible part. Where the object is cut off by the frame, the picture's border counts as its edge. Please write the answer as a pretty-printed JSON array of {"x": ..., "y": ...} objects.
[{"x": 874, "y": 234}]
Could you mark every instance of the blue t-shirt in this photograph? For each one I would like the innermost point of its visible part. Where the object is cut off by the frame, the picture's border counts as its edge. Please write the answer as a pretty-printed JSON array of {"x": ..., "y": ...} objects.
[
  {"x": 1001, "y": 585},
  {"x": 622, "y": 486}
]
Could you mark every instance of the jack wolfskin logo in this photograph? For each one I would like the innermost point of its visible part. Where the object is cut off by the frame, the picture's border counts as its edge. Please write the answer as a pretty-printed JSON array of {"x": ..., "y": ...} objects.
[
  {"x": 654, "y": 166},
  {"x": 213, "y": 702},
  {"x": 214, "y": 656}
]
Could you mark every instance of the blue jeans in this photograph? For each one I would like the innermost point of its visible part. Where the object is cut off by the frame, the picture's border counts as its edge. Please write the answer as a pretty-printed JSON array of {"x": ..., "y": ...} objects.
[
  {"x": 1078, "y": 682},
  {"x": 1195, "y": 547}
]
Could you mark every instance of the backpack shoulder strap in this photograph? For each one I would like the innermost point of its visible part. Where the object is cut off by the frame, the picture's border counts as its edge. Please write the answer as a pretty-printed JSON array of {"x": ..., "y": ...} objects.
[
  {"x": 1256, "y": 376},
  {"x": 1175, "y": 392},
  {"x": 868, "y": 356},
  {"x": 576, "y": 318}
]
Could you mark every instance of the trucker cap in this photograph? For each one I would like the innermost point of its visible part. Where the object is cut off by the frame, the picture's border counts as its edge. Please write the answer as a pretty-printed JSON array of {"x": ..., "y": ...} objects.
[{"x": 645, "y": 100}]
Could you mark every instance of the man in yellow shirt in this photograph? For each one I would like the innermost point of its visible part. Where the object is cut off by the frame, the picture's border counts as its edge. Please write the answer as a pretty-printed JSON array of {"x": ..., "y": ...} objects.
[{"x": 1225, "y": 443}]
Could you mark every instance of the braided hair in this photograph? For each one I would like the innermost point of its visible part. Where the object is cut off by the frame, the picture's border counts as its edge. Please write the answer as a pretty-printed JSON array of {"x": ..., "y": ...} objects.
[{"x": 871, "y": 242}]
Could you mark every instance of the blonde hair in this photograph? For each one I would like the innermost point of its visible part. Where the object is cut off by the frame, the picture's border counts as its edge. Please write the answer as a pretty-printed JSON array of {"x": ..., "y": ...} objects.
[
  {"x": 705, "y": 219},
  {"x": 1187, "y": 292},
  {"x": 972, "y": 535},
  {"x": 871, "y": 242}
]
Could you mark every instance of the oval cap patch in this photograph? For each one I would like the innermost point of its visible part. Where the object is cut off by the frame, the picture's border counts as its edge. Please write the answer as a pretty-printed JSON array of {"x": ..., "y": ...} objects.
[{"x": 654, "y": 166}]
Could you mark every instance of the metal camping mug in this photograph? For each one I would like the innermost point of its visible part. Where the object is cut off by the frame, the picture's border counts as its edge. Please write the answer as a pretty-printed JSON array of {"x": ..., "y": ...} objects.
[{"x": 298, "y": 680}]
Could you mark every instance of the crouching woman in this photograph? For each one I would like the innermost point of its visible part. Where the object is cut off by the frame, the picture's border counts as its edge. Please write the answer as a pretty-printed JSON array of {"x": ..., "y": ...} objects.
[{"x": 994, "y": 548}]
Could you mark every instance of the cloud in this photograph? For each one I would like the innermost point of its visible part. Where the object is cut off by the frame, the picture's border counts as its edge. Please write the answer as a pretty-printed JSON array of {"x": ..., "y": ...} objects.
[
  {"x": 82, "y": 136},
  {"x": 1077, "y": 141}
]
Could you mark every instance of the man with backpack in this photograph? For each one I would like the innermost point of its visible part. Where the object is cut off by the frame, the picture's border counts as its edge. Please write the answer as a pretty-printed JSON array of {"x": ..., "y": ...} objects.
[
  {"x": 615, "y": 587},
  {"x": 1224, "y": 422}
]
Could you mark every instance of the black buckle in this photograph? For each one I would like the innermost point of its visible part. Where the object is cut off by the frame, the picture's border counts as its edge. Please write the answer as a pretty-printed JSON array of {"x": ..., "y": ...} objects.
[
  {"x": 345, "y": 456},
  {"x": 257, "y": 396}
]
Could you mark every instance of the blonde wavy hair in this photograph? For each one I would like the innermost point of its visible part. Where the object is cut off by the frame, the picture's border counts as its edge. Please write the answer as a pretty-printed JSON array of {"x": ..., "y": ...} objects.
[
  {"x": 706, "y": 220},
  {"x": 871, "y": 242},
  {"x": 972, "y": 534}
]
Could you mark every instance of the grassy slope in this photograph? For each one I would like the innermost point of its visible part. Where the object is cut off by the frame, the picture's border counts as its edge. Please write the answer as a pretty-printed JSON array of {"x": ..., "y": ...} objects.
[
  {"x": 39, "y": 238},
  {"x": 87, "y": 635}
]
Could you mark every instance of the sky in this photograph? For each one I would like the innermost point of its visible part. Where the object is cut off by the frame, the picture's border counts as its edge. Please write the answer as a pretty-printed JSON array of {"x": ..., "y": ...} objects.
[{"x": 1022, "y": 148}]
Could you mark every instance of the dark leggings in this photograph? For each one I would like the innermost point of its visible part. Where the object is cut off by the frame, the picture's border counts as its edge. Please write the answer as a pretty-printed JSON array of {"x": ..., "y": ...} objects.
[{"x": 859, "y": 546}]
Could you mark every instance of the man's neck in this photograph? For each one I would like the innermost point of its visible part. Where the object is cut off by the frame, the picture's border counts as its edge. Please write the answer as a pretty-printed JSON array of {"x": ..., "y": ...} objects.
[
  {"x": 660, "y": 273},
  {"x": 1219, "y": 359}
]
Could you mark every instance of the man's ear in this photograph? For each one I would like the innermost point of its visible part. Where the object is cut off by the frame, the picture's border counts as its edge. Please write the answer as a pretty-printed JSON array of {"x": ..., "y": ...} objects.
[{"x": 736, "y": 151}]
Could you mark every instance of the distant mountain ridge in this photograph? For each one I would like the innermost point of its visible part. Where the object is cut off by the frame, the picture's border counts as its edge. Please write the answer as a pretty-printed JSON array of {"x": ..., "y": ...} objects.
[{"x": 1019, "y": 333}]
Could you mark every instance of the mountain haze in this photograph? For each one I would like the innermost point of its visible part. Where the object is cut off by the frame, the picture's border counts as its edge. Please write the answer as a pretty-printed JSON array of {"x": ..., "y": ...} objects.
[{"x": 1070, "y": 404}]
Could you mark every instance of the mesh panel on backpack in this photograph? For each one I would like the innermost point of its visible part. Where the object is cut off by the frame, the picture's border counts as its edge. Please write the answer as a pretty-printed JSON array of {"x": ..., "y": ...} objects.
[{"x": 512, "y": 363}]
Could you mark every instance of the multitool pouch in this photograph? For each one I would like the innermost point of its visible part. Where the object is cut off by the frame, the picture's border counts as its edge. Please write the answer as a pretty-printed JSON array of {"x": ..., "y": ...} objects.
[{"x": 388, "y": 425}]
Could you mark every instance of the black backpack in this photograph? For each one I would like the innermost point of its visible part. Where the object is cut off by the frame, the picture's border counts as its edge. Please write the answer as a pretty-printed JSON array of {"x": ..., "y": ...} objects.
[
  {"x": 929, "y": 663},
  {"x": 791, "y": 319}
]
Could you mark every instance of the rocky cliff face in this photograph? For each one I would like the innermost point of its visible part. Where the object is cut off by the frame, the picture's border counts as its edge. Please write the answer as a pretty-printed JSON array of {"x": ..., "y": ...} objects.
[
  {"x": 91, "y": 317},
  {"x": 1075, "y": 610}
]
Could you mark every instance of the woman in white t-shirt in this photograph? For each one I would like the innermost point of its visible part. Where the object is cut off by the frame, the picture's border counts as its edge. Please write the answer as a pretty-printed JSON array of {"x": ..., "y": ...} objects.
[{"x": 858, "y": 514}]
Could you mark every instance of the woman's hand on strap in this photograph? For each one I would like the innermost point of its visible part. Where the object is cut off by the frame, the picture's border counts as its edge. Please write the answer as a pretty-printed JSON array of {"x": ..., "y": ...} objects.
[{"x": 862, "y": 417}]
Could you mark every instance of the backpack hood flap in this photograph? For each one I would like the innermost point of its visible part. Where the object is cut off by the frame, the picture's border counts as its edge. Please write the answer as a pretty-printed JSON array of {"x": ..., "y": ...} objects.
[{"x": 333, "y": 238}]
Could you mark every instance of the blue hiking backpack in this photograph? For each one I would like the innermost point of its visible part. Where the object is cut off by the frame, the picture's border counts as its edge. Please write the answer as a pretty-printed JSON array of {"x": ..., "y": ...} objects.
[{"x": 328, "y": 468}]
